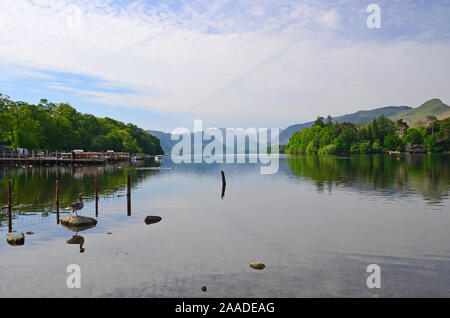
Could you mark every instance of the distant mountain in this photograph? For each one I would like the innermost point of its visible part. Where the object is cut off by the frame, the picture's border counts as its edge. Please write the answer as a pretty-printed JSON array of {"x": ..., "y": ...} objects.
[
  {"x": 434, "y": 107},
  {"x": 418, "y": 116},
  {"x": 167, "y": 143},
  {"x": 362, "y": 116},
  {"x": 164, "y": 140}
]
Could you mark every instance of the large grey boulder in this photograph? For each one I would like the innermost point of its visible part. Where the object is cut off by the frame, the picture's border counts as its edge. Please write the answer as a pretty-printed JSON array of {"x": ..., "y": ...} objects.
[
  {"x": 15, "y": 238},
  {"x": 78, "y": 222}
]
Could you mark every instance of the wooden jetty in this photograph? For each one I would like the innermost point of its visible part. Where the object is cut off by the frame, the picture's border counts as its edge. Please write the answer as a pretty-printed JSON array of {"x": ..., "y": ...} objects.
[{"x": 62, "y": 158}]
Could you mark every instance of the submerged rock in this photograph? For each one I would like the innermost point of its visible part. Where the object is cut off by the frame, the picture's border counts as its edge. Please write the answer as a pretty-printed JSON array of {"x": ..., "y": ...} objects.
[
  {"x": 15, "y": 238},
  {"x": 258, "y": 266},
  {"x": 152, "y": 219},
  {"x": 78, "y": 222}
]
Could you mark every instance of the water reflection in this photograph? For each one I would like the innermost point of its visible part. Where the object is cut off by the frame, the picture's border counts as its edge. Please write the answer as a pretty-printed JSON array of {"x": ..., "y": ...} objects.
[
  {"x": 77, "y": 240},
  {"x": 314, "y": 244},
  {"x": 224, "y": 186},
  {"x": 387, "y": 175},
  {"x": 34, "y": 189}
]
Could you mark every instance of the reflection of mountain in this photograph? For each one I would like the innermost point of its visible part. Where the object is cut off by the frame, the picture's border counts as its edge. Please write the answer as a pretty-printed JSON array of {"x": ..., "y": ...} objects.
[{"x": 428, "y": 174}]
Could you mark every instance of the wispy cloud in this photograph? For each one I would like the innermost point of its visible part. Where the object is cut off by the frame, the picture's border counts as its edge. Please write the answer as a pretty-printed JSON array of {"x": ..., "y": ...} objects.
[{"x": 268, "y": 61}]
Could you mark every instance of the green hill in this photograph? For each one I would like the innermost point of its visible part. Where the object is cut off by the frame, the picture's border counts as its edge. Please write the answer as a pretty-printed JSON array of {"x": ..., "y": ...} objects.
[
  {"x": 418, "y": 116},
  {"x": 362, "y": 116},
  {"x": 50, "y": 126}
]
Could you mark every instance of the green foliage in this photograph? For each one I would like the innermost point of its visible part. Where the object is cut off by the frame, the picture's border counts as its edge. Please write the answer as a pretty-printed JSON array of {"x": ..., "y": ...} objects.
[
  {"x": 363, "y": 147},
  {"x": 313, "y": 137},
  {"x": 378, "y": 136},
  {"x": 311, "y": 148},
  {"x": 319, "y": 122},
  {"x": 414, "y": 136},
  {"x": 431, "y": 144},
  {"x": 345, "y": 139},
  {"x": 382, "y": 127},
  {"x": 392, "y": 142},
  {"x": 328, "y": 150},
  {"x": 281, "y": 149},
  {"x": 49, "y": 126},
  {"x": 376, "y": 146}
]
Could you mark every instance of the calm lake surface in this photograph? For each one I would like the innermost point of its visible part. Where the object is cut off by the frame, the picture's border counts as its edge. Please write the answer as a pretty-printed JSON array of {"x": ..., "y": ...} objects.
[{"x": 316, "y": 224}]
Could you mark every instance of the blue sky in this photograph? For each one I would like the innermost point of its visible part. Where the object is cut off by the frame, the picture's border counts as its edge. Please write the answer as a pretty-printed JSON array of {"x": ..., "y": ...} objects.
[{"x": 162, "y": 64}]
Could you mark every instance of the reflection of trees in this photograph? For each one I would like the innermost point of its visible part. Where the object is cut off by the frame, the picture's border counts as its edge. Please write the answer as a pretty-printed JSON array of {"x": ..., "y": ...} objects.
[
  {"x": 428, "y": 174},
  {"x": 34, "y": 188}
]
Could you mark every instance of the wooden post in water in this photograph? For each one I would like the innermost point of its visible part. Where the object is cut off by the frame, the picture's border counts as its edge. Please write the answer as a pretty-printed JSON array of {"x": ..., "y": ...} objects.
[
  {"x": 96, "y": 198},
  {"x": 224, "y": 183},
  {"x": 128, "y": 196},
  {"x": 9, "y": 207},
  {"x": 57, "y": 201}
]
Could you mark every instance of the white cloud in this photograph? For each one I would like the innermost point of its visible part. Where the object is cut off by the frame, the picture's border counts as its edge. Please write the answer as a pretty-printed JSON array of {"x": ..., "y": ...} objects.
[
  {"x": 329, "y": 19},
  {"x": 202, "y": 61}
]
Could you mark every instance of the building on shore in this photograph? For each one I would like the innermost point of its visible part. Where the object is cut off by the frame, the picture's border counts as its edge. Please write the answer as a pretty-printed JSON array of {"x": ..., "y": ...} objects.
[{"x": 415, "y": 148}]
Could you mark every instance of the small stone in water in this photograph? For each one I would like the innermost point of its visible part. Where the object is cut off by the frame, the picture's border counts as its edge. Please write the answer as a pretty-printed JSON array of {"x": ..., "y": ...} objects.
[
  {"x": 152, "y": 219},
  {"x": 258, "y": 266}
]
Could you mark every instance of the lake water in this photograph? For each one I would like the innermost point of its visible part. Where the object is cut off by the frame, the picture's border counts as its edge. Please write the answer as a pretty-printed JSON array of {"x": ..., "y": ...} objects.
[{"x": 316, "y": 225}]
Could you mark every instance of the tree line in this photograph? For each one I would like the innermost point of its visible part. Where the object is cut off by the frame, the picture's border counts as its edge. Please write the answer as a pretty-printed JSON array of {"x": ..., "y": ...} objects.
[
  {"x": 377, "y": 136},
  {"x": 50, "y": 126}
]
